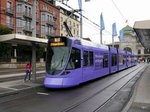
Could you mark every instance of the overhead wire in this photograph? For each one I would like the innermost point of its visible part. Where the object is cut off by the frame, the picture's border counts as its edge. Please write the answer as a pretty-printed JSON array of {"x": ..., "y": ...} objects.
[
  {"x": 85, "y": 17},
  {"x": 122, "y": 15}
]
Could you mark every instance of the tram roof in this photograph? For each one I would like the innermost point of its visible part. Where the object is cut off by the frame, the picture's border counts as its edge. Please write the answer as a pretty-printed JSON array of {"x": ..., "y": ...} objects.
[
  {"x": 22, "y": 39},
  {"x": 90, "y": 44}
]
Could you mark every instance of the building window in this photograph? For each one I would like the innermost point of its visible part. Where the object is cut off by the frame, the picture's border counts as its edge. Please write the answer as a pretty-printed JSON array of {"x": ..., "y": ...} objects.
[
  {"x": 9, "y": 5},
  {"x": 139, "y": 51},
  {"x": 77, "y": 33},
  {"x": 19, "y": 32},
  {"x": 43, "y": 29},
  {"x": 70, "y": 23},
  {"x": 61, "y": 27},
  {"x": 146, "y": 51},
  {"x": 19, "y": 8},
  {"x": 61, "y": 19},
  {"x": 19, "y": 23},
  {"x": 29, "y": 11},
  {"x": 9, "y": 20},
  {"x": 77, "y": 25},
  {"x": 74, "y": 31},
  {"x": 43, "y": 17},
  {"x": 128, "y": 49},
  {"x": 26, "y": 8}
]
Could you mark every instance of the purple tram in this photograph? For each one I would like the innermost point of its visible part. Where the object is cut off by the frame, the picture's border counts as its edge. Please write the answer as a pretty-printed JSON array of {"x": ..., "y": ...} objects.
[{"x": 72, "y": 61}]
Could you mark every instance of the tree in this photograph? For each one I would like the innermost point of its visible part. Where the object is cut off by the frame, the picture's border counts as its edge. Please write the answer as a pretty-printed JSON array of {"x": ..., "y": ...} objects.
[{"x": 5, "y": 48}]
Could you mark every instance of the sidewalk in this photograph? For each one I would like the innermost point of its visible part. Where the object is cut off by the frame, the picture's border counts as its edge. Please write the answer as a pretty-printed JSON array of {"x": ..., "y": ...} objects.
[
  {"x": 10, "y": 89},
  {"x": 140, "y": 100}
]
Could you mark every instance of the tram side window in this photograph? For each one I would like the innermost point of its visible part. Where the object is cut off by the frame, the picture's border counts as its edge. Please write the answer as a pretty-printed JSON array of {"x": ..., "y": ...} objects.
[
  {"x": 85, "y": 56},
  {"x": 75, "y": 59},
  {"x": 114, "y": 59},
  {"x": 121, "y": 60},
  {"x": 91, "y": 58},
  {"x": 105, "y": 61}
]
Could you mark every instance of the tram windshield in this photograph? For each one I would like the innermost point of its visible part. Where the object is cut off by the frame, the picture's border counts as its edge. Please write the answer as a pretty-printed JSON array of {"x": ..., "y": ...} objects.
[{"x": 57, "y": 55}]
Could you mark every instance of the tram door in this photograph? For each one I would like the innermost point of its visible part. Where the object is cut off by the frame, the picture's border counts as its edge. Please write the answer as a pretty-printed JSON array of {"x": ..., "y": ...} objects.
[{"x": 87, "y": 65}]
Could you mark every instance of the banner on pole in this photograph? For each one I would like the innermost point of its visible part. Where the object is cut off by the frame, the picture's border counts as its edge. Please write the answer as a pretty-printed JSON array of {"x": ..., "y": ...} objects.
[
  {"x": 114, "y": 31},
  {"x": 122, "y": 34},
  {"x": 102, "y": 25},
  {"x": 79, "y": 3}
]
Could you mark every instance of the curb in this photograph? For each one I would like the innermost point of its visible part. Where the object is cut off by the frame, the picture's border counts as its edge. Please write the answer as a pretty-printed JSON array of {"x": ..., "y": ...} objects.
[{"x": 18, "y": 93}]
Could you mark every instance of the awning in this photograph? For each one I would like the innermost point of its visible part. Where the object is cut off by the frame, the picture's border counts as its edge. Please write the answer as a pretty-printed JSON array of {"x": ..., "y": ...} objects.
[
  {"x": 22, "y": 39},
  {"x": 142, "y": 29}
]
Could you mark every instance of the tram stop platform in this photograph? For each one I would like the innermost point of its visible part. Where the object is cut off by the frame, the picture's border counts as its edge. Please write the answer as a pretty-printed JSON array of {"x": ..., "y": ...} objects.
[
  {"x": 12, "y": 83},
  {"x": 10, "y": 89},
  {"x": 140, "y": 100}
]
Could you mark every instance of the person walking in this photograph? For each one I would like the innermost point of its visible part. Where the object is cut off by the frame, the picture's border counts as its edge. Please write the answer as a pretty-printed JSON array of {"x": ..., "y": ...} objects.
[{"x": 28, "y": 71}]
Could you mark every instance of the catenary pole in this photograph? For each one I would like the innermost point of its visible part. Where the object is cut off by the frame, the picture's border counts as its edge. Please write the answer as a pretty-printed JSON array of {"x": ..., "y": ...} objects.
[{"x": 34, "y": 35}]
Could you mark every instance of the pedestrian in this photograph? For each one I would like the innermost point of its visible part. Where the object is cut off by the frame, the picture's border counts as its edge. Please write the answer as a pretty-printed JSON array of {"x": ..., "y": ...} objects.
[{"x": 28, "y": 71}]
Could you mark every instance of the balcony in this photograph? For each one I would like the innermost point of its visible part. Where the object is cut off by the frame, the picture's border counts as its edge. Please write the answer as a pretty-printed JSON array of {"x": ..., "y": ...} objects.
[
  {"x": 52, "y": 33},
  {"x": 49, "y": 22},
  {"x": 54, "y": 26},
  {"x": 27, "y": 14},
  {"x": 9, "y": 11},
  {"x": 27, "y": 28},
  {"x": 10, "y": 25},
  {"x": 21, "y": 0},
  {"x": 54, "y": 16}
]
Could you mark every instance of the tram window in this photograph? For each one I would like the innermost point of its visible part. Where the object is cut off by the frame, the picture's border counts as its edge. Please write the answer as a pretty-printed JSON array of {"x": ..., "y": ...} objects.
[
  {"x": 121, "y": 60},
  {"x": 85, "y": 56},
  {"x": 105, "y": 61},
  {"x": 114, "y": 59},
  {"x": 75, "y": 59},
  {"x": 91, "y": 58}
]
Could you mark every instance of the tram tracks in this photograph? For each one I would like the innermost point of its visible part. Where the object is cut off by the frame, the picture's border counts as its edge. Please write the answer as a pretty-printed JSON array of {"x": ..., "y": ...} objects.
[{"x": 103, "y": 96}]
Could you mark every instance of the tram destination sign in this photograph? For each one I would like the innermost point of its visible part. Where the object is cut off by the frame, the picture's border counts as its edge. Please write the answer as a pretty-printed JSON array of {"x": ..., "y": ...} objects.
[{"x": 57, "y": 41}]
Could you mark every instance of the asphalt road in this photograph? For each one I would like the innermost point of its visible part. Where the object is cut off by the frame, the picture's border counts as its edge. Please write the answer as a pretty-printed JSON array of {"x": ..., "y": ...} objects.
[{"x": 98, "y": 95}]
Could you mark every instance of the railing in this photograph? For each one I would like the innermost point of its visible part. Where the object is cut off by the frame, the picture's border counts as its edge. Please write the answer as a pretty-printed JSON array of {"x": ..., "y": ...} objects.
[
  {"x": 10, "y": 11},
  {"x": 3, "y": 59},
  {"x": 10, "y": 25},
  {"x": 50, "y": 22},
  {"x": 27, "y": 28},
  {"x": 27, "y": 14}
]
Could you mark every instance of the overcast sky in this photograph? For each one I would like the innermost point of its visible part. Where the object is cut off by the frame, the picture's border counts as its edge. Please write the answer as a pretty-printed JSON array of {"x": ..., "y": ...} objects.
[{"x": 130, "y": 10}]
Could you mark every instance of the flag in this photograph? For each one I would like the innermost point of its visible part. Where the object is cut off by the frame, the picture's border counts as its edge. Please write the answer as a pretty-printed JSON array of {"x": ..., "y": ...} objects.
[
  {"x": 114, "y": 31},
  {"x": 102, "y": 22},
  {"x": 122, "y": 34},
  {"x": 79, "y": 3}
]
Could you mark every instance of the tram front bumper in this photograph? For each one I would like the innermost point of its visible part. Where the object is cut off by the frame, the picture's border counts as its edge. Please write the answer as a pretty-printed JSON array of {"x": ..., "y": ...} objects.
[{"x": 53, "y": 82}]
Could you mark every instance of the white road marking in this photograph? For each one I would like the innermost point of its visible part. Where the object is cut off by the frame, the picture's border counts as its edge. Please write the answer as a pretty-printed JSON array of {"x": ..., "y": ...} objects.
[{"x": 40, "y": 93}]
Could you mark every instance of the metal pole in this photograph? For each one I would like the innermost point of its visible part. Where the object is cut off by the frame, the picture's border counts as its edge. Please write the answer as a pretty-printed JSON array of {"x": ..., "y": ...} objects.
[
  {"x": 81, "y": 19},
  {"x": 112, "y": 41},
  {"x": 34, "y": 35},
  {"x": 101, "y": 41}
]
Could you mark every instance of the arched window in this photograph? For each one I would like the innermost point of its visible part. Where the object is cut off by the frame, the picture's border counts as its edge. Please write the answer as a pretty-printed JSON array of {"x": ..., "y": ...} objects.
[
  {"x": 128, "y": 49},
  {"x": 139, "y": 51}
]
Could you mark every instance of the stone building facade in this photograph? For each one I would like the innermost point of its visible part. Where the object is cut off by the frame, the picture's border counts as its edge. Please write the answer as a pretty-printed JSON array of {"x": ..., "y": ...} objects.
[
  {"x": 132, "y": 44},
  {"x": 72, "y": 22}
]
